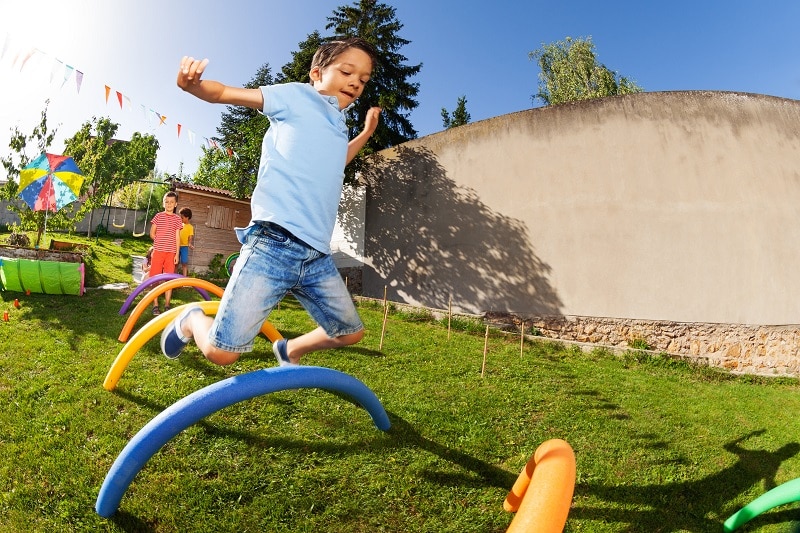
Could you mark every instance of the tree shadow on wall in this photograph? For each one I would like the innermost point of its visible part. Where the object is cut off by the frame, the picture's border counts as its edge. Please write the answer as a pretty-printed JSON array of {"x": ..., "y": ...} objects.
[{"x": 428, "y": 240}]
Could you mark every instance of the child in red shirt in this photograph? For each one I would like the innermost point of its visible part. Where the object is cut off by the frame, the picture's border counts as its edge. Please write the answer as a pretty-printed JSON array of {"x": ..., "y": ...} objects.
[{"x": 165, "y": 229}]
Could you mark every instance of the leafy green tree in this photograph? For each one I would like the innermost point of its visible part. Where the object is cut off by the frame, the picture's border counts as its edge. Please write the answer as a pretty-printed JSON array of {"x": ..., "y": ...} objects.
[
  {"x": 107, "y": 163},
  {"x": 144, "y": 195},
  {"x": 570, "y": 71},
  {"x": 214, "y": 170},
  {"x": 458, "y": 117},
  {"x": 233, "y": 166}
]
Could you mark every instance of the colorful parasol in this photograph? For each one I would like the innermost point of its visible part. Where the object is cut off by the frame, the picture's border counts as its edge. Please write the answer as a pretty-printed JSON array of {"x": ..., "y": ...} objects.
[{"x": 50, "y": 182}]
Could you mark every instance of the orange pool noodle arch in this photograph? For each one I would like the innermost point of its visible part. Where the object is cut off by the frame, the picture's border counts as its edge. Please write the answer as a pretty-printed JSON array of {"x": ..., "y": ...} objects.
[
  {"x": 542, "y": 494},
  {"x": 155, "y": 326},
  {"x": 151, "y": 295}
]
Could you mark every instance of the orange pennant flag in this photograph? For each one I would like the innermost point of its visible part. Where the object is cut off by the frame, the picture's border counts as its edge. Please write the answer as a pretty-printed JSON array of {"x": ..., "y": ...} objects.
[
  {"x": 108, "y": 90},
  {"x": 119, "y": 99},
  {"x": 27, "y": 56},
  {"x": 163, "y": 119},
  {"x": 179, "y": 131}
]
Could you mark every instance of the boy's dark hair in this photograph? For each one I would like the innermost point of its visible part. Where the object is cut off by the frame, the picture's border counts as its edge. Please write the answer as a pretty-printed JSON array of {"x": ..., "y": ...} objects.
[
  {"x": 328, "y": 52},
  {"x": 185, "y": 211}
]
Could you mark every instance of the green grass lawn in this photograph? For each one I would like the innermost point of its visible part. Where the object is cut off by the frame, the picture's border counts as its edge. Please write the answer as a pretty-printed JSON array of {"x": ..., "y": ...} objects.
[{"x": 661, "y": 446}]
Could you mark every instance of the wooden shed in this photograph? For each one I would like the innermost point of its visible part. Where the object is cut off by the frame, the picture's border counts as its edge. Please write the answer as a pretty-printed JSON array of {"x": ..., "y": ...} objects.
[{"x": 214, "y": 215}]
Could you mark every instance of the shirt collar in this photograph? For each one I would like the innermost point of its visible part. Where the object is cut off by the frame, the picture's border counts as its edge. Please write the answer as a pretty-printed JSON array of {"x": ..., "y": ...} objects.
[{"x": 334, "y": 101}]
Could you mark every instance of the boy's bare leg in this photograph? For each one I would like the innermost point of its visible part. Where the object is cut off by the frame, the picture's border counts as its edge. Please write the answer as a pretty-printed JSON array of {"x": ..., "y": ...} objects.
[
  {"x": 316, "y": 340},
  {"x": 197, "y": 325}
]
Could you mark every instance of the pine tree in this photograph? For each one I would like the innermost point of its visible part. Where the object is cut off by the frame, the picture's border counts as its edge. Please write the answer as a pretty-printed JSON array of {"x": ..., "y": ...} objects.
[
  {"x": 242, "y": 129},
  {"x": 388, "y": 87},
  {"x": 299, "y": 67},
  {"x": 458, "y": 117}
]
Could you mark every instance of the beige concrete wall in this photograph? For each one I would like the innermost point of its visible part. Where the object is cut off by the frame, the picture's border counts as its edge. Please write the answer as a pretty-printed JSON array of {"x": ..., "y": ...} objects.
[{"x": 678, "y": 206}]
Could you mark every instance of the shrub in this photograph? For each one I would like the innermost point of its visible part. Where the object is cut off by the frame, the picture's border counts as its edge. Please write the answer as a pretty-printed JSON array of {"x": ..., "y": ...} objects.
[
  {"x": 639, "y": 343},
  {"x": 216, "y": 268},
  {"x": 19, "y": 239}
]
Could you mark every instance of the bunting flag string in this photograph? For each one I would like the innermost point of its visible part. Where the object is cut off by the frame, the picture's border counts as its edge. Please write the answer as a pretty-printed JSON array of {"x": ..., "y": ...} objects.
[{"x": 21, "y": 56}]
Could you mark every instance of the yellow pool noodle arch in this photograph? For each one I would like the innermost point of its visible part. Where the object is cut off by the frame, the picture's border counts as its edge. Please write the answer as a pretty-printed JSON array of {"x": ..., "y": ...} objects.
[
  {"x": 156, "y": 291},
  {"x": 550, "y": 474},
  {"x": 156, "y": 325}
]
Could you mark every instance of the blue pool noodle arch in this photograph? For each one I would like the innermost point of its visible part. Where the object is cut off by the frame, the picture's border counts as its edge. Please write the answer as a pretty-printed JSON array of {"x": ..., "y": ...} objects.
[{"x": 211, "y": 399}]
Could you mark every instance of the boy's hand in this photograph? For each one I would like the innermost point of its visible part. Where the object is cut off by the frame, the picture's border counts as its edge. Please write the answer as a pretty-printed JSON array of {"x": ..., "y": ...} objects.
[
  {"x": 357, "y": 143},
  {"x": 190, "y": 72},
  {"x": 371, "y": 120}
]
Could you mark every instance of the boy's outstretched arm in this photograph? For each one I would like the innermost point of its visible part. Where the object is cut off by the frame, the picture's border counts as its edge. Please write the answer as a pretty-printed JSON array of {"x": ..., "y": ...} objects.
[
  {"x": 358, "y": 142},
  {"x": 189, "y": 79}
]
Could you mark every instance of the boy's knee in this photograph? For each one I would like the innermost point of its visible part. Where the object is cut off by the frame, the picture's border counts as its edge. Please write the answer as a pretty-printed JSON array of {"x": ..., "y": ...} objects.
[
  {"x": 222, "y": 357},
  {"x": 352, "y": 338}
]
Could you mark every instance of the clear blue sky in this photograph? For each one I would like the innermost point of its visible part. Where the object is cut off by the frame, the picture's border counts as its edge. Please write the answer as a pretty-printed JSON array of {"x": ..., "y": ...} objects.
[{"x": 466, "y": 50}]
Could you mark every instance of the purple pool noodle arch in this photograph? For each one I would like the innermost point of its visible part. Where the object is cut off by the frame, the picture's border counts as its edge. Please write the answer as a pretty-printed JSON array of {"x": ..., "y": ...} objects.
[
  {"x": 211, "y": 399},
  {"x": 152, "y": 281}
]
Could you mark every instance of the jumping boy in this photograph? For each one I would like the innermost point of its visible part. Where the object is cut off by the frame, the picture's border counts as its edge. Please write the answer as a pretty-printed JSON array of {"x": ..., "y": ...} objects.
[
  {"x": 165, "y": 231},
  {"x": 286, "y": 246},
  {"x": 186, "y": 239}
]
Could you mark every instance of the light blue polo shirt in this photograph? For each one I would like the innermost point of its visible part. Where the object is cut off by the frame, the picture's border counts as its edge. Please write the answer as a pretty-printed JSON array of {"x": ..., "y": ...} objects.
[{"x": 303, "y": 156}]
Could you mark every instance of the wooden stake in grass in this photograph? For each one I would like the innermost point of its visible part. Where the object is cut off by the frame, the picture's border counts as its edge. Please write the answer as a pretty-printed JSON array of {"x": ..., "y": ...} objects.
[
  {"x": 485, "y": 350},
  {"x": 383, "y": 328},
  {"x": 449, "y": 315},
  {"x": 521, "y": 338}
]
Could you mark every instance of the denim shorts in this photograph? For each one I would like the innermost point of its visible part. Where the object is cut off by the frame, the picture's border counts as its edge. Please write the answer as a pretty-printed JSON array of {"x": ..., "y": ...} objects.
[{"x": 272, "y": 263}]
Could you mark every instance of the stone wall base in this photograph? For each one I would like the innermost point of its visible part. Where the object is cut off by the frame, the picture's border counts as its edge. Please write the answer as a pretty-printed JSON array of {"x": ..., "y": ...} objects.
[{"x": 740, "y": 348}]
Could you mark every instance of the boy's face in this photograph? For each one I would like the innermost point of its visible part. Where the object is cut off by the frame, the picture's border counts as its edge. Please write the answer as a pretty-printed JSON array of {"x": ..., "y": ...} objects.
[
  {"x": 345, "y": 77},
  {"x": 184, "y": 219},
  {"x": 169, "y": 204}
]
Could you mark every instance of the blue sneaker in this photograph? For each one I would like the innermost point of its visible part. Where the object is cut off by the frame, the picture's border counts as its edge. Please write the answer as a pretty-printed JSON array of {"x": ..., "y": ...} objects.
[
  {"x": 172, "y": 340},
  {"x": 279, "y": 349}
]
